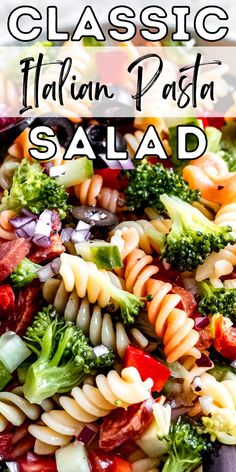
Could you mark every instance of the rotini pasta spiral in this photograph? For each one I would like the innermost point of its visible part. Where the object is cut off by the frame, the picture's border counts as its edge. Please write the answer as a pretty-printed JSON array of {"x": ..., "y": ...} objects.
[
  {"x": 138, "y": 270},
  {"x": 91, "y": 192},
  {"x": 227, "y": 216},
  {"x": 217, "y": 264},
  {"x": 99, "y": 327},
  {"x": 222, "y": 394},
  {"x": 90, "y": 403},
  {"x": 7, "y": 231},
  {"x": 149, "y": 238},
  {"x": 87, "y": 279},
  {"x": 171, "y": 323},
  {"x": 15, "y": 409},
  {"x": 141, "y": 463}
]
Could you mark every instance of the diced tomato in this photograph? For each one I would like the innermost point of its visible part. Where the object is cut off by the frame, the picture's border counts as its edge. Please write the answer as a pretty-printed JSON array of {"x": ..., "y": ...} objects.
[
  {"x": 40, "y": 254},
  {"x": 147, "y": 367},
  {"x": 7, "y": 300},
  {"x": 225, "y": 338},
  {"x": 100, "y": 461},
  {"x": 214, "y": 121},
  {"x": 37, "y": 465},
  {"x": 113, "y": 178},
  {"x": 5, "y": 446}
]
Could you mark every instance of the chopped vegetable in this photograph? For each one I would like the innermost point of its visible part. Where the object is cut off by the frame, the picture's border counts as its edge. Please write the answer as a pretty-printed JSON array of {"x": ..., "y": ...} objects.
[
  {"x": 64, "y": 356},
  {"x": 192, "y": 236},
  {"x": 148, "y": 182},
  {"x": 213, "y": 138},
  {"x": 187, "y": 444},
  {"x": 217, "y": 300},
  {"x": 100, "y": 461},
  {"x": 227, "y": 147},
  {"x": 224, "y": 337},
  {"x": 192, "y": 144},
  {"x": 34, "y": 190},
  {"x": 37, "y": 464},
  {"x": 72, "y": 458},
  {"x": 147, "y": 367},
  {"x": 104, "y": 255},
  {"x": 5, "y": 376},
  {"x": 13, "y": 351},
  {"x": 5, "y": 446},
  {"x": 24, "y": 273},
  {"x": 76, "y": 171}
]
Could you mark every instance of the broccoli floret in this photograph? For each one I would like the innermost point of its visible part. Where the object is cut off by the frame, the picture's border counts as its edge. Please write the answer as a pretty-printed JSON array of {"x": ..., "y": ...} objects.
[
  {"x": 34, "y": 190},
  {"x": 192, "y": 236},
  {"x": 187, "y": 444},
  {"x": 64, "y": 356},
  {"x": 217, "y": 300},
  {"x": 221, "y": 425},
  {"x": 148, "y": 182},
  {"x": 223, "y": 371},
  {"x": 24, "y": 273},
  {"x": 227, "y": 147}
]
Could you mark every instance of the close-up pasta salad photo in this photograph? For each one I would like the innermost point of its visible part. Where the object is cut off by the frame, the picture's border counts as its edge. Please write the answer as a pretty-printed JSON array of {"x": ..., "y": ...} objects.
[{"x": 117, "y": 237}]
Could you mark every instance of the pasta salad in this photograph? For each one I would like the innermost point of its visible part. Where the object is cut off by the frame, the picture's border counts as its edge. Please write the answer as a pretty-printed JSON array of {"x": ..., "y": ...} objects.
[{"x": 117, "y": 303}]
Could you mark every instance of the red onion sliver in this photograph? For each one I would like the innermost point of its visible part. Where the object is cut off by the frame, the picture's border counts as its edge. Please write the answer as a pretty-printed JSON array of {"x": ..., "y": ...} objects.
[
  {"x": 202, "y": 322},
  {"x": 42, "y": 241},
  {"x": 127, "y": 165},
  {"x": 26, "y": 212},
  {"x": 66, "y": 235},
  {"x": 204, "y": 361},
  {"x": 20, "y": 221},
  {"x": 175, "y": 412},
  {"x": 88, "y": 433},
  {"x": 45, "y": 273}
]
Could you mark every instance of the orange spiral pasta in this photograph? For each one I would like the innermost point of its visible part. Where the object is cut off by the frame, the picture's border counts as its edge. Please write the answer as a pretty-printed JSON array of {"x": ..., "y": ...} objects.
[
  {"x": 91, "y": 192},
  {"x": 171, "y": 323},
  {"x": 7, "y": 232},
  {"x": 210, "y": 175},
  {"x": 138, "y": 270}
]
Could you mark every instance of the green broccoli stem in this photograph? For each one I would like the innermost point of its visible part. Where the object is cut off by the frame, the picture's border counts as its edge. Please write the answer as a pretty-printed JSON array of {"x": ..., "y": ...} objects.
[{"x": 175, "y": 464}]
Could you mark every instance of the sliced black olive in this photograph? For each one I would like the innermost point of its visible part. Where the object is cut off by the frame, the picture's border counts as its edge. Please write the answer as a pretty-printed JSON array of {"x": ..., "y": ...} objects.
[
  {"x": 10, "y": 128},
  {"x": 65, "y": 128},
  {"x": 222, "y": 459},
  {"x": 97, "y": 135},
  {"x": 110, "y": 110},
  {"x": 101, "y": 221}
]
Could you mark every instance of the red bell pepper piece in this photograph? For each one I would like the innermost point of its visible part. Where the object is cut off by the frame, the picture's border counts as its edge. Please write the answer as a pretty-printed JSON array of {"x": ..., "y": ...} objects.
[
  {"x": 147, "y": 367},
  {"x": 113, "y": 178},
  {"x": 100, "y": 461},
  {"x": 7, "y": 300}
]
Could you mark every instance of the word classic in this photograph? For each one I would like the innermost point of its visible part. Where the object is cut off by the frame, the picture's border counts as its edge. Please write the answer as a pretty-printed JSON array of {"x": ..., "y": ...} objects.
[{"x": 122, "y": 21}]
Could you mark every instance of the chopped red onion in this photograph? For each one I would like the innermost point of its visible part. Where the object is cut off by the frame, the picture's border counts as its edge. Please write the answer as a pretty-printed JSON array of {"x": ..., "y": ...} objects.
[
  {"x": 81, "y": 233},
  {"x": 45, "y": 273},
  {"x": 66, "y": 234},
  {"x": 55, "y": 265},
  {"x": 42, "y": 241},
  {"x": 204, "y": 361},
  {"x": 20, "y": 221},
  {"x": 48, "y": 271},
  {"x": 201, "y": 322},
  {"x": 176, "y": 412},
  {"x": 197, "y": 384},
  {"x": 100, "y": 350},
  {"x": 20, "y": 233},
  {"x": 88, "y": 433},
  {"x": 112, "y": 164},
  {"x": 26, "y": 212}
]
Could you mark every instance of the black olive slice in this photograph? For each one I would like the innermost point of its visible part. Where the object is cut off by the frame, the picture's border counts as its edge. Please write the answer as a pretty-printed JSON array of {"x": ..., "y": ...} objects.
[
  {"x": 101, "y": 221},
  {"x": 65, "y": 128},
  {"x": 13, "y": 128},
  {"x": 97, "y": 135}
]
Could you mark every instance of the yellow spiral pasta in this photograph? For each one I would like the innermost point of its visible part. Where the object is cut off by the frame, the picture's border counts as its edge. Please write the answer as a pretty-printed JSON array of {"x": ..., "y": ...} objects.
[
  {"x": 7, "y": 231},
  {"x": 89, "y": 403},
  {"x": 91, "y": 192},
  {"x": 171, "y": 323},
  {"x": 148, "y": 235},
  {"x": 15, "y": 409},
  {"x": 226, "y": 216},
  {"x": 138, "y": 270},
  {"x": 88, "y": 280},
  {"x": 222, "y": 394},
  {"x": 141, "y": 463},
  {"x": 217, "y": 264}
]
